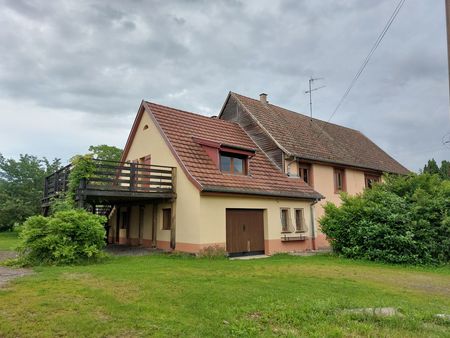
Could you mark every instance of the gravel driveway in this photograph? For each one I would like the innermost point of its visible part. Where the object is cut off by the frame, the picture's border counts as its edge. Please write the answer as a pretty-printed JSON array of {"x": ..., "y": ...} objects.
[{"x": 7, "y": 274}]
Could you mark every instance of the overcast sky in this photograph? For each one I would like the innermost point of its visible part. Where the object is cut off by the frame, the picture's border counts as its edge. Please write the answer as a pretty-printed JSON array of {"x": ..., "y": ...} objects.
[{"x": 73, "y": 73}]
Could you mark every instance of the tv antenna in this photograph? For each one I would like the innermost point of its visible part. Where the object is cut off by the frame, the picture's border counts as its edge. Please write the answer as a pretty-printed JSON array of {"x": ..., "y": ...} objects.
[{"x": 311, "y": 80}]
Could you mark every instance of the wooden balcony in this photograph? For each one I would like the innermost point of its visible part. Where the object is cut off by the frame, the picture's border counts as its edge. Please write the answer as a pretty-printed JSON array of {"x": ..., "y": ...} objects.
[{"x": 114, "y": 182}]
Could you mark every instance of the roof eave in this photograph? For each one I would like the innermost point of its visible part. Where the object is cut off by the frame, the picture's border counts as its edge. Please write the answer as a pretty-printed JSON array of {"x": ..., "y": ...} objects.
[
  {"x": 346, "y": 164},
  {"x": 253, "y": 192}
]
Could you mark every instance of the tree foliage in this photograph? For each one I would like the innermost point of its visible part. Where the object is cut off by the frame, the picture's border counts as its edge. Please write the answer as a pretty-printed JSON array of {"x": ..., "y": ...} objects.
[
  {"x": 404, "y": 220},
  {"x": 21, "y": 187},
  {"x": 67, "y": 237},
  {"x": 105, "y": 152},
  {"x": 432, "y": 168},
  {"x": 82, "y": 167}
]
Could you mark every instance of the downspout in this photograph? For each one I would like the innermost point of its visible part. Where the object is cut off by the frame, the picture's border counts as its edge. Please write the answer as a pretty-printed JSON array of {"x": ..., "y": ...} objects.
[{"x": 313, "y": 226}]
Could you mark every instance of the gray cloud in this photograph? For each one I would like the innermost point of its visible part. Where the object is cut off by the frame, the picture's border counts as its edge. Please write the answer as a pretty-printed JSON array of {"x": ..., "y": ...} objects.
[{"x": 88, "y": 64}]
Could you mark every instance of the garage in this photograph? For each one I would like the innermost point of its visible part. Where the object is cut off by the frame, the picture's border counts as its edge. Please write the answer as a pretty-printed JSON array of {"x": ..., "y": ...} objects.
[{"x": 245, "y": 231}]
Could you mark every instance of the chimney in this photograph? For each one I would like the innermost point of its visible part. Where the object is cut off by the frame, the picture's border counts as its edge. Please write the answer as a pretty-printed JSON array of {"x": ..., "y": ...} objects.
[{"x": 263, "y": 98}]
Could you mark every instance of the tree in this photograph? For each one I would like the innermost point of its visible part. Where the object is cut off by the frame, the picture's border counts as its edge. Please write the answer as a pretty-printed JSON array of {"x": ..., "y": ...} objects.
[
  {"x": 431, "y": 167},
  {"x": 21, "y": 187},
  {"x": 445, "y": 170},
  {"x": 105, "y": 152}
]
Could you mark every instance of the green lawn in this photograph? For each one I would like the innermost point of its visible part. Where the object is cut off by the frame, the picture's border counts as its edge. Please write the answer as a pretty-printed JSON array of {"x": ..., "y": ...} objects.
[
  {"x": 162, "y": 295},
  {"x": 8, "y": 241}
]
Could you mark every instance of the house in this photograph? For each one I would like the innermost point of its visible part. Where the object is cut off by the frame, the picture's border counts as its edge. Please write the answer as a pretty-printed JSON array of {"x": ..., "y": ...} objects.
[
  {"x": 251, "y": 180},
  {"x": 328, "y": 157}
]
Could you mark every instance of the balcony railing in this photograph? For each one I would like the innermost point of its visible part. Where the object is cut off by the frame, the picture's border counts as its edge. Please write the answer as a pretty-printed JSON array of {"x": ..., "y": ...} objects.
[{"x": 110, "y": 177}]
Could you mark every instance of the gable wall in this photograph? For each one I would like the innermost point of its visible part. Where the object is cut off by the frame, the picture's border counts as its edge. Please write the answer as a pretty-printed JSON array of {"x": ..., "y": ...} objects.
[
  {"x": 234, "y": 112},
  {"x": 151, "y": 142}
]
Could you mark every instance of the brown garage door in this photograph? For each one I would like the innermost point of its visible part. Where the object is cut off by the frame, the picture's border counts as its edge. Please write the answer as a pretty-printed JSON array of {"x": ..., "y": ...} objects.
[{"x": 245, "y": 231}]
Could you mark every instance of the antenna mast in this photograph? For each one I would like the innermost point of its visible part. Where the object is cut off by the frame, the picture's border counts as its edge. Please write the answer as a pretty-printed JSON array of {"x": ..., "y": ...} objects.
[{"x": 311, "y": 80}]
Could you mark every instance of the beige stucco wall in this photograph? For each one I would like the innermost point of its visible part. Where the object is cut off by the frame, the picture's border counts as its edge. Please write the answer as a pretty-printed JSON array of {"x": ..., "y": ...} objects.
[
  {"x": 213, "y": 220},
  {"x": 213, "y": 214},
  {"x": 324, "y": 184},
  {"x": 323, "y": 177}
]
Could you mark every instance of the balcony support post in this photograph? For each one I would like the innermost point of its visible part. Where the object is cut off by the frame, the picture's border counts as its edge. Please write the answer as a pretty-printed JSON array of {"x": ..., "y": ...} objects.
[{"x": 173, "y": 227}]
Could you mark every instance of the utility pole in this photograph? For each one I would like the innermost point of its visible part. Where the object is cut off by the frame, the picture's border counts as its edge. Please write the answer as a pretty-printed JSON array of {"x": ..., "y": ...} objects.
[
  {"x": 311, "y": 80},
  {"x": 447, "y": 13}
]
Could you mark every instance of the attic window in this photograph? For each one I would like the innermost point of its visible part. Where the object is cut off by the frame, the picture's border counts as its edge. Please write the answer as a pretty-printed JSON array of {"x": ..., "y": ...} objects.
[
  {"x": 145, "y": 127},
  {"x": 233, "y": 163}
]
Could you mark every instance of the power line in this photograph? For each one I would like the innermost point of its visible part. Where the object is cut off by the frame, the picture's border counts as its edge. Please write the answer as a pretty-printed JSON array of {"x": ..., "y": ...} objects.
[{"x": 366, "y": 60}]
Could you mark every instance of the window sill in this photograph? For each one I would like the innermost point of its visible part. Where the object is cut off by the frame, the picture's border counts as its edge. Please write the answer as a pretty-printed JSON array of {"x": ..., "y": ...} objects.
[
  {"x": 286, "y": 232},
  {"x": 293, "y": 238}
]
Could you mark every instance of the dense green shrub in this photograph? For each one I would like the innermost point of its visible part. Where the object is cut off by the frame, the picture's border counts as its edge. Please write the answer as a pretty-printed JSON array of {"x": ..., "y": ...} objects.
[
  {"x": 404, "y": 220},
  {"x": 67, "y": 237}
]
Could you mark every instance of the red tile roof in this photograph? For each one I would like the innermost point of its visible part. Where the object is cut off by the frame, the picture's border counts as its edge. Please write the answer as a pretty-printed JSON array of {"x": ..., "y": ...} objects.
[
  {"x": 180, "y": 127},
  {"x": 319, "y": 140}
]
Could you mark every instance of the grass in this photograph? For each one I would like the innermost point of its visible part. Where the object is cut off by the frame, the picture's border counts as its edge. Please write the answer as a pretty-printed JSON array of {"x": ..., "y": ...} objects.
[
  {"x": 8, "y": 240},
  {"x": 163, "y": 295}
]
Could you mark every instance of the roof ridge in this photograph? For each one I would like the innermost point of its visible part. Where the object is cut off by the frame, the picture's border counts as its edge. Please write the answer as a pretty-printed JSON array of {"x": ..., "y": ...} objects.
[
  {"x": 336, "y": 143},
  {"x": 297, "y": 113},
  {"x": 208, "y": 118}
]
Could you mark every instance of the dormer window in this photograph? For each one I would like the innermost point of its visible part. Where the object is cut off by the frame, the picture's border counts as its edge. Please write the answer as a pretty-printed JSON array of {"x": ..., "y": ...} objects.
[
  {"x": 233, "y": 164},
  {"x": 228, "y": 158}
]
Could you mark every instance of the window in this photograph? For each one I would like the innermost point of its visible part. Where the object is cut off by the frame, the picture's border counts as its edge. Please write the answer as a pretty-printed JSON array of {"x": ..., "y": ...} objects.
[
  {"x": 285, "y": 221},
  {"x": 167, "y": 219},
  {"x": 371, "y": 179},
  {"x": 339, "y": 180},
  {"x": 304, "y": 172},
  {"x": 232, "y": 164},
  {"x": 300, "y": 224}
]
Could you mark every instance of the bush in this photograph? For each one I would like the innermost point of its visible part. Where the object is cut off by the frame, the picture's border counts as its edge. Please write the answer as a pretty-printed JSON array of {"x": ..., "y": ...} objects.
[
  {"x": 67, "y": 237},
  {"x": 405, "y": 220}
]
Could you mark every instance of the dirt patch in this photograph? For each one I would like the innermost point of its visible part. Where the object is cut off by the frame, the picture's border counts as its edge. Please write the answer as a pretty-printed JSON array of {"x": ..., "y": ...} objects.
[
  {"x": 7, "y": 274},
  {"x": 379, "y": 312},
  {"x": 4, "y": 255},
  {"x": 126, "y": 250}
]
